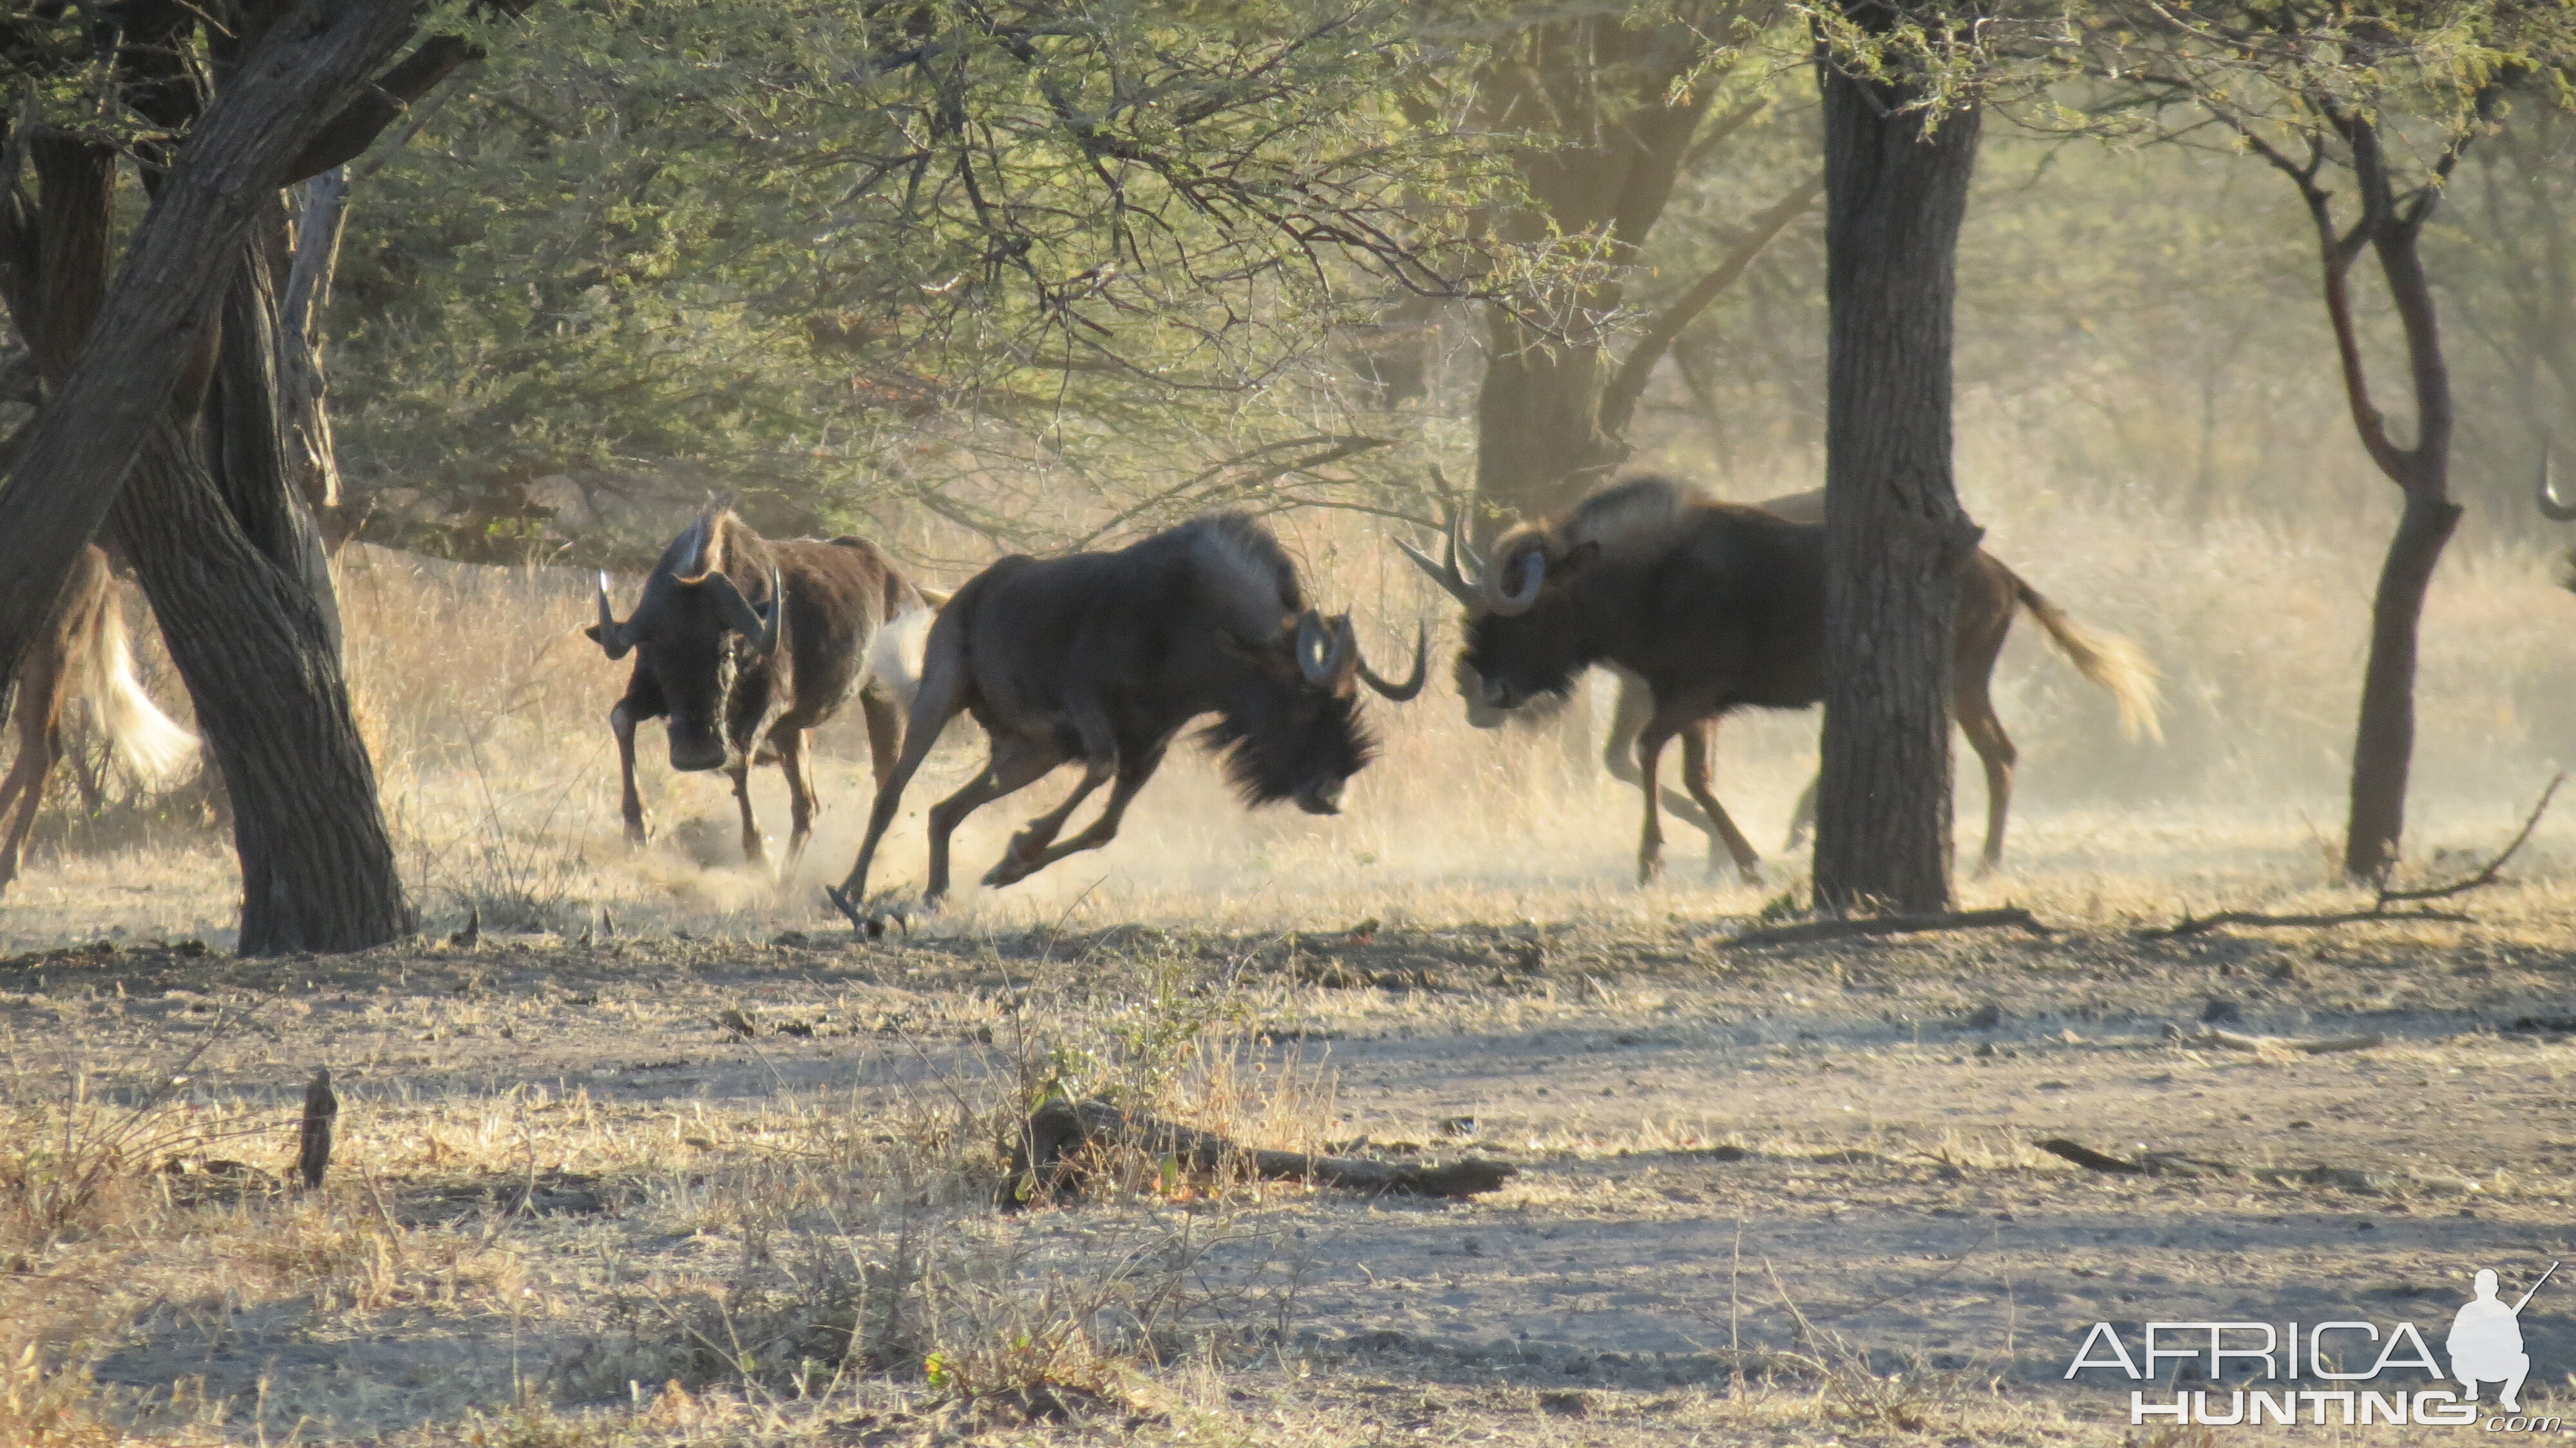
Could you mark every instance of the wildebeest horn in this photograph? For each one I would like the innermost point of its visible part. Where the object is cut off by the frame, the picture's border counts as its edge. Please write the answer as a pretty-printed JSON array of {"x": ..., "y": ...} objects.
[
  {"x": 1445, "y": 572},
  {"x": 1522, "y": 598},
  {"x": 1421, "y": 667},
  {"x": 742, "y": 618},
  {"x": 612, "y": 634},
  {"x": 2546, "y": 493},
  {"x": 1322, "y": 650}
]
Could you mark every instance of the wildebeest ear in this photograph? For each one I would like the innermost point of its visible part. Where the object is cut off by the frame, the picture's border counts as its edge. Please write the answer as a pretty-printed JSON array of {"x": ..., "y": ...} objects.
[
  {"x": 591, "y": 632},
  {"x": 1576, "y": 557}
]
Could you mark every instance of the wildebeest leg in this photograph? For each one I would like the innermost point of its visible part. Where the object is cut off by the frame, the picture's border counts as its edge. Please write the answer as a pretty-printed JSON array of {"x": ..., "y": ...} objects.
[
  {"x": 801, "y": 800},
  {"x": 752, "y": 849},
  {"x": 1986, "y": 735},
  {"x": 885, "y": 732},
  {"x": 942, "y": 696},
  {"x": 23, "y": 794},
  {"x": 1099, "y": 761},
  {"x": 630, "y": 801},
  {"x": 1650, "y": 754},
  {"x": 1619, "y": 755},
  {"x": 1803, "y": 818},
  {"x": 1016, "y": 762},
  {"x": 1132, "y": 774},
  {"x": 1695, "y": 779}
]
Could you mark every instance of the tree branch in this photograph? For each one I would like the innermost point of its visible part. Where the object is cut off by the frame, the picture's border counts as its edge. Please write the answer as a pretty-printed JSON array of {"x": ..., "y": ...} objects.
[
  {"x": 355, "y": 128},
  {"x": 1619, "y": 399}
]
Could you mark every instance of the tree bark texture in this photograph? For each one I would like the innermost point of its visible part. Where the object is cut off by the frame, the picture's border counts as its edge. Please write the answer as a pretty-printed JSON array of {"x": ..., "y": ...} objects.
[
  {"x": 255, "y": 645},
  {"x": 1896, "y": 188}
]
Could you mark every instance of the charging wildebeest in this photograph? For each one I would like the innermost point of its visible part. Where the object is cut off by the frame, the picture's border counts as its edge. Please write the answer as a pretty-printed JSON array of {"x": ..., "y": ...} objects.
[
  {"x": 1103, "y": 657},
  {"x": 81, "y": 657},
  {"x": 743, "y": 644},
  {"x": 1718, "y": 606}
]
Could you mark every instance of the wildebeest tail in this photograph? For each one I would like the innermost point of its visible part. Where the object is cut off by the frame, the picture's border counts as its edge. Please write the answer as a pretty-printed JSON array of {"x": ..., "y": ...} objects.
[
  {"x": 152, "y": 749},
  {"x": 2115, "y": 663}
]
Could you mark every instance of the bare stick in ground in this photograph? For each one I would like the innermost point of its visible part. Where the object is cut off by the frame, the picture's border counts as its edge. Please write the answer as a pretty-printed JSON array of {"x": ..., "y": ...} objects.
[
  {"x": 2486, "y": 875},
  {"x": 1045, "y": 1160},
  {"x": 1813, "y": 930},
  {"x": 313, "y": 1142}
]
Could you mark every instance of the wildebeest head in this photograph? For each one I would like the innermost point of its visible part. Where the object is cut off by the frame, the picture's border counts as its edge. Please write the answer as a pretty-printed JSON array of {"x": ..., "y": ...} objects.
[
  {"x": 698, "y": 634},
  {"x": 1292, "y": 730},
  {"x": 1524, "y": 639}
]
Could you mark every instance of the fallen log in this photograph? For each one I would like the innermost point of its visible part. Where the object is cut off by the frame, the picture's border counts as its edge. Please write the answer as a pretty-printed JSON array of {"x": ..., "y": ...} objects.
[
  {"x": 1048, "y": 1159},
  {"x": 1813, "y": 930}
]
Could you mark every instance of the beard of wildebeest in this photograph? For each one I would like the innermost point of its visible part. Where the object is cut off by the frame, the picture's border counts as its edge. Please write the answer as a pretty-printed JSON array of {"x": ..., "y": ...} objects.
[{"x": 1283, "y": 738}]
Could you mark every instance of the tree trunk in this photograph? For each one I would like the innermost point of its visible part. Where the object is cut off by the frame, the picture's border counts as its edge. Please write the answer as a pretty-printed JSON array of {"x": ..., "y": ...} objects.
[
  {"x": 1539, "y": 443},
  {"x": 1895, "y": 537},
  {"x": 2383, "y": 748},
  {"x": 262, "y": 664},
  {"x": 153, "y": 331}
]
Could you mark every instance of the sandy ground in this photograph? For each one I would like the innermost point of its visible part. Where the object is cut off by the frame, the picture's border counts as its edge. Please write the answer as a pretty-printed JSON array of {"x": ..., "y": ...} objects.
[{"x": 1748, "y": 1179}]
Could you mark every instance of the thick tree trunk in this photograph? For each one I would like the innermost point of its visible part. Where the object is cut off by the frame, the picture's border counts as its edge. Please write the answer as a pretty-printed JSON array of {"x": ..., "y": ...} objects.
[
  {"x": 2383, "y": 750},
  {"x": 1895, "y": 537},
  {"x": 262, "y": 663}
]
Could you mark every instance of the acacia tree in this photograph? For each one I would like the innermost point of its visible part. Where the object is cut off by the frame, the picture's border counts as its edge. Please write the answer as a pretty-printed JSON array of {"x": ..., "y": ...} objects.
[
  {"x": 1034, "y": 267},
  {"x": 2384, "y": 99},
  {"x": 163, "y": 429}
]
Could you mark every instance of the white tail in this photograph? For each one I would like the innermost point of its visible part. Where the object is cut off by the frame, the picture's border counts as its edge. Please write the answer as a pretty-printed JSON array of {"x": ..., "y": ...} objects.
[
  {"x": 152, "y": 750},
  {"x": 2107, "y": 659},
  {"x": 894, "y": 655}
]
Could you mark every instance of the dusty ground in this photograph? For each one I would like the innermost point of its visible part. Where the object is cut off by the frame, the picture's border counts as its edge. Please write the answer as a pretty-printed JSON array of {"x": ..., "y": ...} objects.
[{"x": 1769, "y": 1195}]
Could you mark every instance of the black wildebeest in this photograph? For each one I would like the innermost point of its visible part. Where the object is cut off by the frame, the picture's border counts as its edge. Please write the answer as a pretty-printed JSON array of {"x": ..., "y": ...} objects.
[
  {"x": 1715, "y": 607},
  {"x": 1103, "y": 657},
  {"x": 742, "y": 643},
  {"x": 82, "y": 657}
]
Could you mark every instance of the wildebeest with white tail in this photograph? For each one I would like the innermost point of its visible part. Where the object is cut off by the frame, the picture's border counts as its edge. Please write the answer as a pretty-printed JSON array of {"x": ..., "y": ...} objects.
[
  {"x": 743, "y": 644},
  {"x": 82, "y": 658},
  {"x": 1102, "y": 658},
  {"x": 1715, "y": 607}
]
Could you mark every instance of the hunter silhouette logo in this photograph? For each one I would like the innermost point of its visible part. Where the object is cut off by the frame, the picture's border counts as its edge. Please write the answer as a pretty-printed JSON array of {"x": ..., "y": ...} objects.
[
  {"x": 2347, "y": 1372},
  {"x": 2486, "y": 1340}
]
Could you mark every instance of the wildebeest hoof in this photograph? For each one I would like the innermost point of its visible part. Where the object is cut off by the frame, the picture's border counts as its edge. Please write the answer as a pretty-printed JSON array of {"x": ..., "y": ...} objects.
[
  {"x": 638, "y": 833},
  {"x": 1649, "y": 869},
  {"x": 1014, "y": 866}
]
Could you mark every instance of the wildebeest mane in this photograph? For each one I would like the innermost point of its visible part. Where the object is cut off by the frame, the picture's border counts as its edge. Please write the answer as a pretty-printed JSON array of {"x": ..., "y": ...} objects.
[
  {"x": 1243, "y": 575},
  {"x": 1259, "y": 775}
]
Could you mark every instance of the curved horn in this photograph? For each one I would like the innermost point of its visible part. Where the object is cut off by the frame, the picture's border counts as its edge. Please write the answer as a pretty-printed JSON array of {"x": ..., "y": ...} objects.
[
  {"x": 1421, "y": 669},
  {"x": 1322, "y": 649},
  {"x": 740, "y": 616},
  {"x": 611, "y": 634},
  {"x": 1522, "y": 598},
  {"x": 2546, "y": 492},
  {"x": 1446, "y": 576},
  {"x": 775, "y": 623}
]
